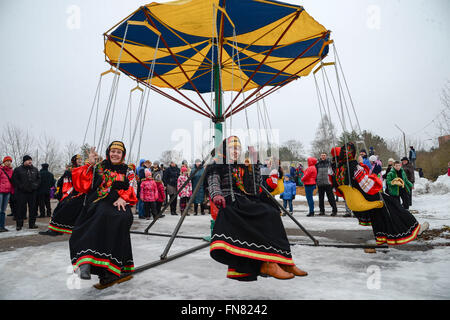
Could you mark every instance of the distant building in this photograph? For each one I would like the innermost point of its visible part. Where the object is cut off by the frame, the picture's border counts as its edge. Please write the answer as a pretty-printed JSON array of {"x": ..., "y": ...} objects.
[{"x": 443, "y": 139}]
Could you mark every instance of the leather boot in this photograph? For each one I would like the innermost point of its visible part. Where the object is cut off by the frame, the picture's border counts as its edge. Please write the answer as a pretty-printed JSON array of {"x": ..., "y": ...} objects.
[
  {"x": 107, "y": 277},
  {"x": 85, "y": 271},
  {"x": 273, "y": 269},
  {"x": 294, "y": 270}
]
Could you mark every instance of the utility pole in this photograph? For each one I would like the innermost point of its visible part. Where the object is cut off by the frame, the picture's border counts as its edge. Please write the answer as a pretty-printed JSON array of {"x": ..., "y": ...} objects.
[{"x": 404, "y": 139}]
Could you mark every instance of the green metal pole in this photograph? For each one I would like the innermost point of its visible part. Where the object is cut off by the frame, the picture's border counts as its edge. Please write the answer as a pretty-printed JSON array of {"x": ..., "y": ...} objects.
[{"x": 218, "y": 127}]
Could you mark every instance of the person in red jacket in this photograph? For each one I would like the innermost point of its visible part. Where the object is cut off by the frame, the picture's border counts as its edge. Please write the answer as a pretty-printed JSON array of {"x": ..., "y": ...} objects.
[
  {"x": 309, "y": 180},
  {"x": 6, "y": 189}
]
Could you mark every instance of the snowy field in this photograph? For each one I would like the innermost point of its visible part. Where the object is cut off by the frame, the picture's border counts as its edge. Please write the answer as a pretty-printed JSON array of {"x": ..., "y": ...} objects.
[{"x": 44, "y": 272}]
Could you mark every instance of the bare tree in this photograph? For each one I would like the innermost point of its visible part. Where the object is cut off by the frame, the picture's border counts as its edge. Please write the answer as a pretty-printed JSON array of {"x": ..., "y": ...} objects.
[
  {"x": 50, "y": 152},
  {"x": 171, "y": 155},
  {"x": 292, "y": 150},
  {"x": 443, "y": 122},
  {"x": 16, "y": 143},
  {"x": 325, "y": 137},
  {"x": 70, "y": 149}
]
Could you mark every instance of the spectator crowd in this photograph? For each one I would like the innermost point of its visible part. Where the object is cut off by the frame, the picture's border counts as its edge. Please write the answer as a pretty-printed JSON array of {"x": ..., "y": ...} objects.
[{"x": 27, "y": 189}]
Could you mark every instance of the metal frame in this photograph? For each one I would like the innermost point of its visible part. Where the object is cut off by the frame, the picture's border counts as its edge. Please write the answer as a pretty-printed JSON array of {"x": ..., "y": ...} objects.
[
  {"x": 246, "y": 101},
  {"x": 210, "y": 114}
]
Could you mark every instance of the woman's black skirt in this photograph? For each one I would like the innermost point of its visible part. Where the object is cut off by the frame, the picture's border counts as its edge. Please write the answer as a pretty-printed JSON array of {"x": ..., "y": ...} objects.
[
  {"x": 246, "y": 233},
  {"x": 101, "y": 238},
  {"x": 391, "y": 224},
  {"x": 66, "y": 213}
]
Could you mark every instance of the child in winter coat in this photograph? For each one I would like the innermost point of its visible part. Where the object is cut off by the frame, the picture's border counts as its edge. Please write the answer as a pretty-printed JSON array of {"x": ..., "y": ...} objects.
[
  {"x": 398, "y": 184},
  {"x": 148, "y": 195},
  {"x": 376, "y": 166},
  {"x": 161, "y": 193},
  {"x": 290, "y": 189},
  {"x": 309, "y": 180},
  {"x": 300, "y": 173},
  {"x": 186, "y": 193}
]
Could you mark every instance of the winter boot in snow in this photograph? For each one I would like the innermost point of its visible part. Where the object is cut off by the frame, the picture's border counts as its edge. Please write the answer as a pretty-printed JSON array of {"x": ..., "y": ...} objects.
[
  {"x": 50, "y": 233},
  {"x": 85, "y": 271},
  {"x": 110, "y": 281},
  {"x": 423, "y": 227}
]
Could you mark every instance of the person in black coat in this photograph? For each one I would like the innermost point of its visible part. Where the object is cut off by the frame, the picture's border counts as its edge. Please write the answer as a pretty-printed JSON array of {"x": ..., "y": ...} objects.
[
  {"x": 409, "y": 170},
  {"x": 389, "y": 168},
  {"x": 324, "y": 171},
  {"x": 170, "y": 179},
  {"x": 47, "y": 182},
  {"x": 26, "y": 181}
]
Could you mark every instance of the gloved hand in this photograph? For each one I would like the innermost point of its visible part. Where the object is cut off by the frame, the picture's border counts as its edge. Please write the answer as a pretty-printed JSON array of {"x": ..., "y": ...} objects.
[
  {"x": 219, "y": 201},
  {"x": 398, "y": 182}
]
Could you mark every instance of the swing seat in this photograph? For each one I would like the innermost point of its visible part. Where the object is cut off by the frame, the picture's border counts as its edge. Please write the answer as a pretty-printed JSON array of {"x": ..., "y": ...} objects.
[
  {"x": 356, "y": 201},
  {"x": 279, "y": 189}
]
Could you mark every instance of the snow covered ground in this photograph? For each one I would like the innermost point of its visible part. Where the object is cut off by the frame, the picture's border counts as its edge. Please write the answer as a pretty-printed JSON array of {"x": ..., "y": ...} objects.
[{"x": 44, "y": 272}]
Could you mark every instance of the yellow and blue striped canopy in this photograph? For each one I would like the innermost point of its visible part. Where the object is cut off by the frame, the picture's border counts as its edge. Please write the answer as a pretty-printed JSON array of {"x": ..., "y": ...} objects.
[{"x": 258, "y": 43}]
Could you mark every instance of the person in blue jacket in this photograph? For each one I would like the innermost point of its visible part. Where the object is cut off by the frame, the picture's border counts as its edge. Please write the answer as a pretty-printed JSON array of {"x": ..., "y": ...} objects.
[
  {"x": 364, "y": 159},
  {"x": 290, "y": 189}
]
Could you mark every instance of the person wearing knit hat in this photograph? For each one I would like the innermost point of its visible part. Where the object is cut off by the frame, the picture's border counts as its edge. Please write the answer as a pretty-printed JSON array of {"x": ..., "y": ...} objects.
[
  {"x": 26, "y": 180},
  {"x": 148, "y": 195},
  {"x": 158, "y": 175},
  {"x": 186, "y": 193},
  {"x": 376, "y": 165},
  {"x": 47, "y": 182},
  {"x": 6, "y": 189},
  {"x": 25, "y": 159},
  {"x": 199, "y": 199},
  {"x": 70, "y": 202},
  {"x": 409, "y": 170},
  {"x": 170, "y": 179},
  {"x": 364, "y": 159},
  {"x": 388, "y": 168},
  {"x": 7, "y": 158}
]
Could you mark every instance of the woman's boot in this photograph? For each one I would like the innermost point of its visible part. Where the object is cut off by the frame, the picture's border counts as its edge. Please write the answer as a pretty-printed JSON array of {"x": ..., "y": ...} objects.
[
  {"x": 85, "y": 271},
  {"x": 273, "y": 269},
  {"x": 294, "y": 270}
]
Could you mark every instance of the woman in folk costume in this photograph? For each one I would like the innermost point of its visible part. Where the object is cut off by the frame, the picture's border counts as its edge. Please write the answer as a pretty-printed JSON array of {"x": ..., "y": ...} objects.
[
  {"x": 248, "y": 234},
  {"x": 100, "y": 243},
  {"x": 391, "y": 223},
  {"x": 70, "y": 203}
]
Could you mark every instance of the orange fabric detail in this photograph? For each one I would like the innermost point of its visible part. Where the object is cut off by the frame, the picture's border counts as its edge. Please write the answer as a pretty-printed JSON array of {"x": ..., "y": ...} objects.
[
  {"x": 128, "y": 195},
  {"x": 82, "y": 178}
]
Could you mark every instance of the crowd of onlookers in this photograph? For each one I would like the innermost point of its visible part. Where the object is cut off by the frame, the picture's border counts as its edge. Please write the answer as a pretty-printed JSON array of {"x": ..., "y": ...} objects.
[
  {"x": 398, "y": 179},
  {"x": 26, "y": 187},
  {"x": 158, "y": 185}
]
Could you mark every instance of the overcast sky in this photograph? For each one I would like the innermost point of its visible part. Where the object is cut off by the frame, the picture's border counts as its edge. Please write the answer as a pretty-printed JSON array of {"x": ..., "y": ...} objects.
[{"x": 394, "y": 54}]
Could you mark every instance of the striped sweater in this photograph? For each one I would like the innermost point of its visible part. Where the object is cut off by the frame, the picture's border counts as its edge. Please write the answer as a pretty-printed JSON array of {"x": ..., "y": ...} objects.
[{"x": 228, "y": 180}]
